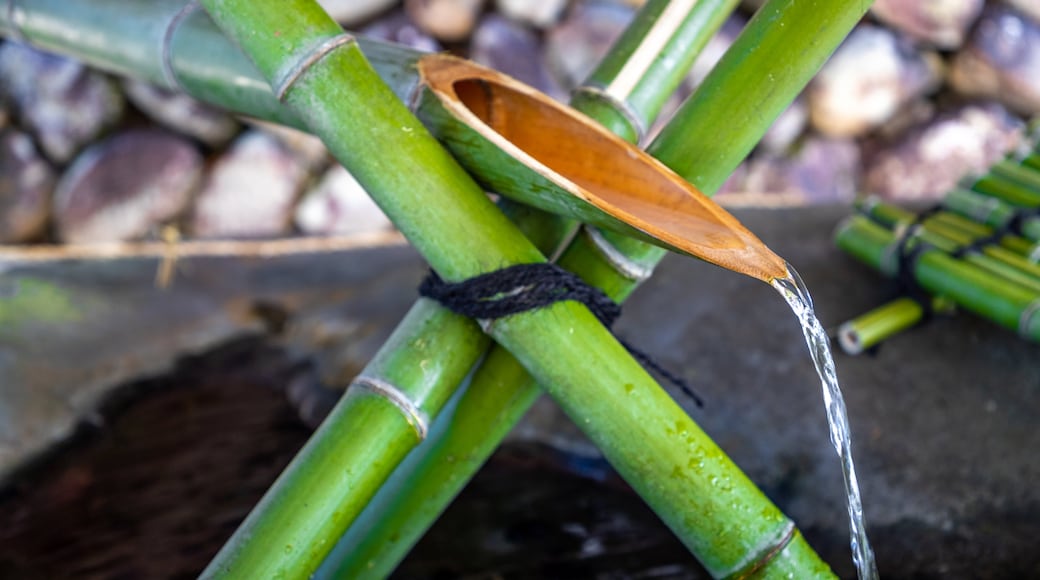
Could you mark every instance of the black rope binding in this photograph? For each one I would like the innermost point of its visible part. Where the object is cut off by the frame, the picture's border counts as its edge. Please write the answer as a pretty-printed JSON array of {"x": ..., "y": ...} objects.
[
  {"x": 907, "y": 260},
  {"x": 526, "y": 287}
]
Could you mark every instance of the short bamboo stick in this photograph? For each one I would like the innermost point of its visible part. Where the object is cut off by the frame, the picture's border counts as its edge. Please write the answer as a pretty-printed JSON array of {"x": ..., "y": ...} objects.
[
  {"x": 1004, "y": 188},
  {"x": 880, "y": 324}
]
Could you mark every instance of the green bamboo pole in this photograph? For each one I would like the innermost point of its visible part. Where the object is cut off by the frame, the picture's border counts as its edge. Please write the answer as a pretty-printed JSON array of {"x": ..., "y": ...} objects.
[
  {"x": 989, "y": 211},
  {"x": 579, "y": 377},
  {"x": 501, "y": 391},
  {"x": 969, "y": 286},
  {"x": 880, "y": 324},
  {"x": 1004, "y": 188},
  {"x": 1032, "y": 160},
  {"x": 1018, "y": 173}
]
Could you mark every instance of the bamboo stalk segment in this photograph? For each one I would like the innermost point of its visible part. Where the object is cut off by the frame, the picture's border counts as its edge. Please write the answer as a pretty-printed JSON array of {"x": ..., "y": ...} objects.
[{"x": 990, "y": 211}]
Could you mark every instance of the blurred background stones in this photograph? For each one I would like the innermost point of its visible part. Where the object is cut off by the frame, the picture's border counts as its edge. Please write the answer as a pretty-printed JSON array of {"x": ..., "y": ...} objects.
[{"x": 919, "y": 94}]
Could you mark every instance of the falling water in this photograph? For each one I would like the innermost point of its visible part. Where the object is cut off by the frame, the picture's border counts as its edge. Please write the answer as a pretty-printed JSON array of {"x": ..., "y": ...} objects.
[{"x": 797, "y": 296}]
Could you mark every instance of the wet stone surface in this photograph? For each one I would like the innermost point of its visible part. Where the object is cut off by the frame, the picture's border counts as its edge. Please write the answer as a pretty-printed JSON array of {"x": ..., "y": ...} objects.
[{"x": 943, "y": 422}]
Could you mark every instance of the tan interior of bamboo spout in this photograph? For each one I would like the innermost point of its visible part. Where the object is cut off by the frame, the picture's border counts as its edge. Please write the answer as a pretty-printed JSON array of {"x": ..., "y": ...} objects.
[{"x": 595, "y": 165}]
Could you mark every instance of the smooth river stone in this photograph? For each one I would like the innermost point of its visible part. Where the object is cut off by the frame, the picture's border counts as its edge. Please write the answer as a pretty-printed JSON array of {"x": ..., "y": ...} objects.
[
  {"x": 515, "y": 50},
  {"x": 928, "y": 160},
  {"x": 123, "y": 187},
  {"x": 941, "y": 23},
  {"x": 1030, "y": 8},
  {"x": 64, "y": 104},
  {"x": 181, "y": 113},
  {"x": 352, "y": 12},
  {"x": 339, "y": 205},
  {"x": 821, "y": 169},
  {"x": 26, "y": 181},
  {"x": 1001, "y": 61},
  {"x": 250, "y": 190},
  {"x": 540, "y": 13},
  {"x": 447, "y": 20},
  {"x": 398, "y": 27},
  {"x": 873, "y": 74},
  {"x": 577, "y": 45}
]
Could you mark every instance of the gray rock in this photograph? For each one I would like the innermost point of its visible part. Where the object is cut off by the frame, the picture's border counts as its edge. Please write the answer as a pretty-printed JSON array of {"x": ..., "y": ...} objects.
[
  {"x": 4, "y": 119},
  {"x": 872, "y": 75},
  {"x": 941, "y": 23},
  {"x": 397, "y": 27},
  {"x": 540, "y": 13},
  {"x": 307, "y": 148},
  {"x": 1030, "y": 8},
  {"x": 26, "y": 181},
  {"x": 577, "y": 45},
  {"x": 182, "y": 113},
  {"x": 250, "y": 190},
  {"x": 928, "y": 160},
  {"x": 786, "y": 129},
  {"x": 1002, "y": 61},
  {"x": 352, "y": 12},
  {"x": 516, "y": 51},
  {"x": 339, "y": 205},
  {"x": 62, "y": 102},
  {"x": 448, "y": 20},
  {"x": 121, "y": 188},
  {"x": 820, "y": 169}
]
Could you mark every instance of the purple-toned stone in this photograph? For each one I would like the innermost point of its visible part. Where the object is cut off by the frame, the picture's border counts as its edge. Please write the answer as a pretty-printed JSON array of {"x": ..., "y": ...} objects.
[
  {"x": 63, "y": 103},
  {"x": 26, "y": 181},
  {"x": 869, "y": 79},
  {"x": 353, "y": 12},
  {"x": 515, "y": 50},
  {"x": 539, "y": 13},
  {"x": 577, "y": 45},
  {"x": 250, "y": 191},
  {"x": 1001, "y": 61},
  {"x": 398, "y": 28},
  {"x": 181, "y": 113},
  {"x": 339, "y": 205},
  {"x": 123, "y": 187},
  {"x": 929, "y": 159},
  {"x": 823, "y": 170},
  {"x": 447, "y": 20},
  {"x": 941, "y": 23}
]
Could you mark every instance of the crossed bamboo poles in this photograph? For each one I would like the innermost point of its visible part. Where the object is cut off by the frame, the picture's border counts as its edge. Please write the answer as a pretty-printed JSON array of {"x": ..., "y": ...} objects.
[{"x": 717, "y": 512}]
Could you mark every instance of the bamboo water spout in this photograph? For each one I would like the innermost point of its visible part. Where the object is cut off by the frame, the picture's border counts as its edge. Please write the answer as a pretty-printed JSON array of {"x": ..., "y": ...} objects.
[{"x": 519, "y": 142}]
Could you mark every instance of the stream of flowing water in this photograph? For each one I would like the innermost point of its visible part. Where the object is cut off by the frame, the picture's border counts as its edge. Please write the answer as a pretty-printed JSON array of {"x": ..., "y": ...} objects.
[{"x": 798, "y": 298}]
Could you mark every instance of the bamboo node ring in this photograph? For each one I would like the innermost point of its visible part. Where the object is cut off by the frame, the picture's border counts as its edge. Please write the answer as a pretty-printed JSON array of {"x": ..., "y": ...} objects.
[
  {"x": 290, "y": 75},
  {"x": 1026, "y": 320},
  {"x": 14, "y": 16},
  {"x": 624, "y": 265},
  {"x": 167, "y": 43},
  {"x": 415, "y": 416},
  {"x": 619, "y": 105}
]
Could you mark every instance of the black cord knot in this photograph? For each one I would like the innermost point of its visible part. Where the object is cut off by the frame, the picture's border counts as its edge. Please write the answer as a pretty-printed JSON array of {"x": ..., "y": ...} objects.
[{"x": 524, "y": 287}]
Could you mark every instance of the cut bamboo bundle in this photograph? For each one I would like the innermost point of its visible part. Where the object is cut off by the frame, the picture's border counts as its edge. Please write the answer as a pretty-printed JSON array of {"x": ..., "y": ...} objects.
[
  {"x": 990, "y": 211},
  {"x": 938, "y": 273}
]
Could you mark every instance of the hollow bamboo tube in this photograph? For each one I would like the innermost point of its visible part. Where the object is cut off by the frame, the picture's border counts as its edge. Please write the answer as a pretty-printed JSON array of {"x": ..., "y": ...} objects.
[
  {"x": 532, "y": 336},
  {"x": 965, "y": 284},
  {"x": 880, "y": 324},
  {"x": 1004, "y": 188},
  {"x": 989, "y": 211}
]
